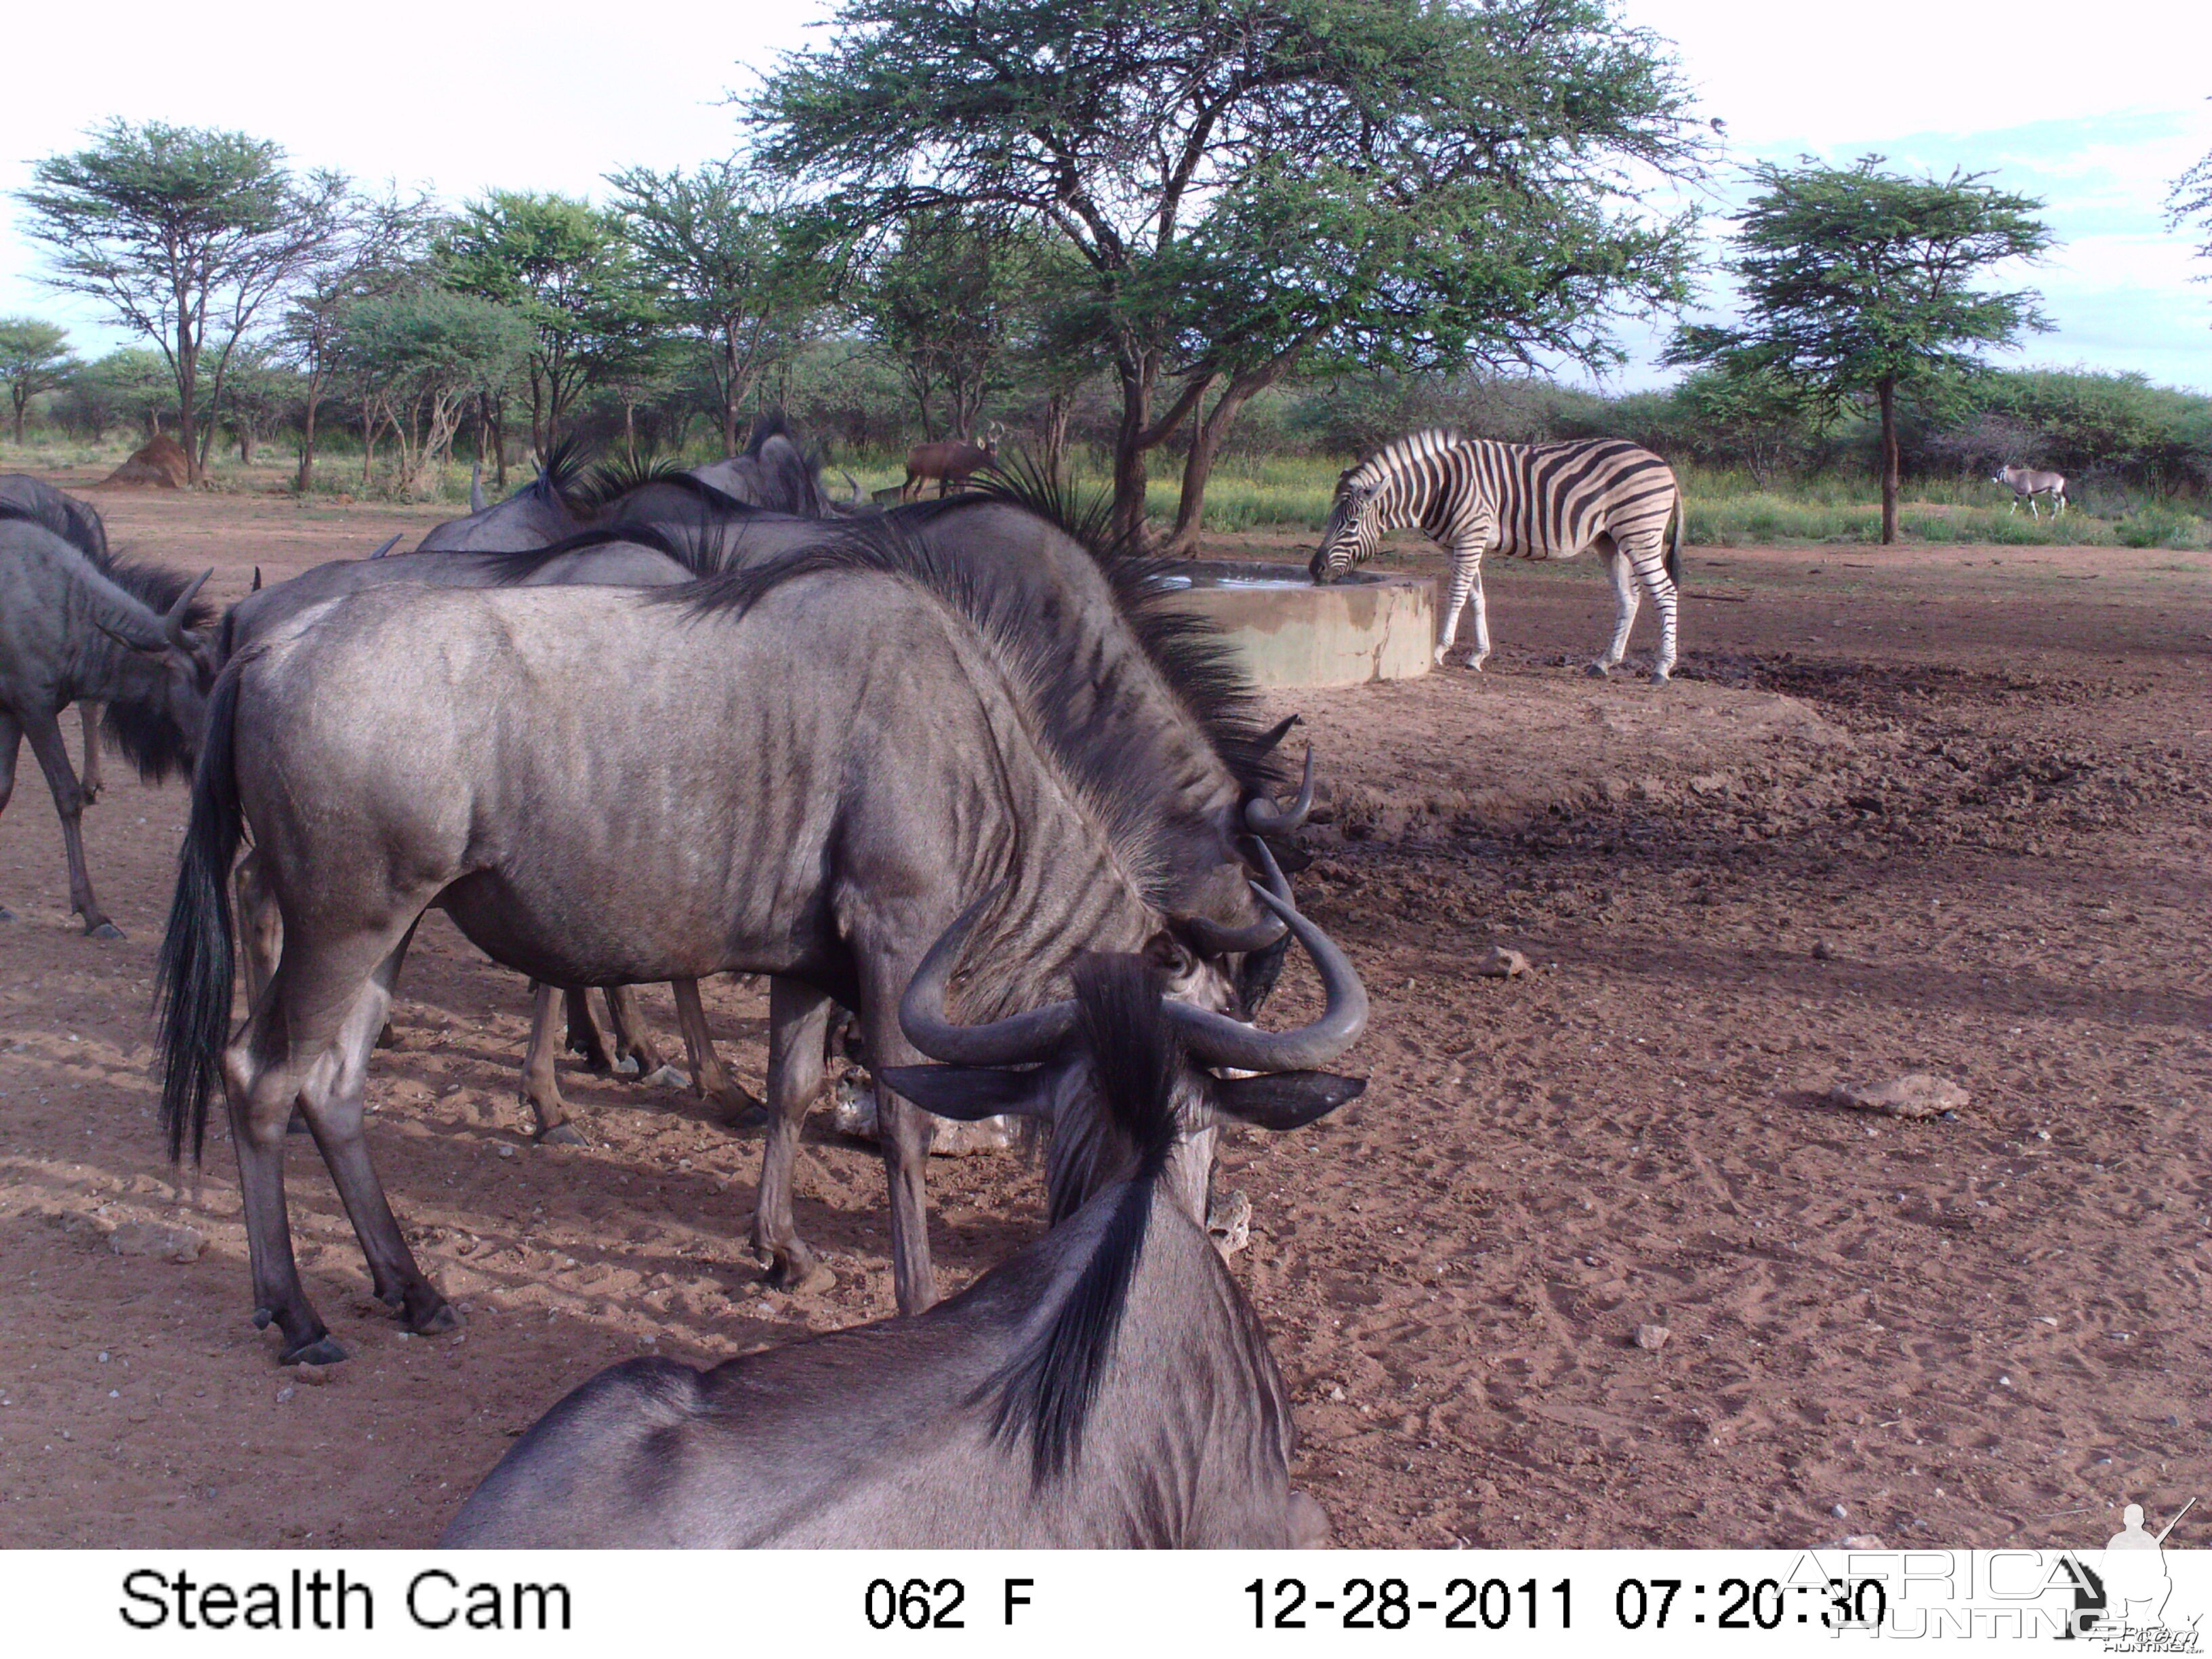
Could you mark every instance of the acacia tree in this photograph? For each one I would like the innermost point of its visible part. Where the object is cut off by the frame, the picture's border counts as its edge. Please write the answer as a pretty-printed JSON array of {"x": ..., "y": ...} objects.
[
  {"x": 1857, "y": 284},
  {"x": 185, "y": 234},
  {"x": 419, "y": 358},
  {"x": 566, "y": 268},
  {"x": 2190, "y": 203},
  {"x": 34, "y": 357},
  {"x": 1248, "y": 183},
  {"x": 949, "y": 301},
  {"x": 735, "y": 263},
  {"x": 377, "y": 245}
]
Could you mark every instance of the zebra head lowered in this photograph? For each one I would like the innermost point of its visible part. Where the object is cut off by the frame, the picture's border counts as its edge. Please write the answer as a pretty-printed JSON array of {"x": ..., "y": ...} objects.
[{"x": 1355, "y": 524}]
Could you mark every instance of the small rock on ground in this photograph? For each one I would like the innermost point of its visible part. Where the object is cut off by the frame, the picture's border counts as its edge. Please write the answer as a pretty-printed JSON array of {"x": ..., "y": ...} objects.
[
  {"x": 1229, "y": 1221},
  {"x": 180, "y": 1245},
  {"x": 1499, "y": 963},
  {"x": 852, "y": 1112},
  {"x": 1916, "y": 1095},
  {"x": 1652, "y": 1338}
]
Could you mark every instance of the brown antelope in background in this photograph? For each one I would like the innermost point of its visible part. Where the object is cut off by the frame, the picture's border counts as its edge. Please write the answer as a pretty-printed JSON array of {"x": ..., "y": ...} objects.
[{"x": 951, "y": 461}]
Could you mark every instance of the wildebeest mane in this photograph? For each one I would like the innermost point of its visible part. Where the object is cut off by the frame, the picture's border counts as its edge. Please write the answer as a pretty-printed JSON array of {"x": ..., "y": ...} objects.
[
  {"x": 144, "y": 733},
  {"x": 1191, "y": 654},
  {"x": 51, "y": 510},
  {"x": 707, "y": 554},
  {"x": 610, "y": 480},
  {"x": 1135, "y": 1058},
  {"x": 1117, "y": 778},
  {"x": 563, "y": 472}
]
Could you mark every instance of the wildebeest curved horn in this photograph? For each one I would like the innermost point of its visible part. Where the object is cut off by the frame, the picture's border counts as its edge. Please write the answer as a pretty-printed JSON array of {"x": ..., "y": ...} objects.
[
  {"x": 1214, "y": 939},
  {"x": 1278, "y": 883},
  {"x": 852, "y": 499},
  {"x": 257, "y": 578},
  {"x": 173, "y": 625},
  {"x": 387, "y": 547},
  {"x": 1266, "y": 742},
  {"x": 1263, "y": 817},
  {"x": 1013, "y": 1041},
  {"x": 1217, "y": 1039}
]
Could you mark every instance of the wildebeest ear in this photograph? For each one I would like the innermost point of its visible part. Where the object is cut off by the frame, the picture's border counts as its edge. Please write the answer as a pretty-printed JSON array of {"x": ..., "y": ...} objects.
[
  {"x": 968, "y": 1092},
  {"x": 1283, "y": 1100},
  {"x": 1171, "y": 955}
]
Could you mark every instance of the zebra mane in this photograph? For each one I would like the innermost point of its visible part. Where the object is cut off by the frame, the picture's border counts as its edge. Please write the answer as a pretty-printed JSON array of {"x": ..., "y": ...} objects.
[{"x": 1388, "y": 461}]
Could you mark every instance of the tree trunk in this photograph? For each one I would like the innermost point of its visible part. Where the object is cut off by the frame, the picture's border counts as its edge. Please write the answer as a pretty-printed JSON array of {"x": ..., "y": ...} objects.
[
  {"x": 1057, "y": 407},
  {"x": 1887, "y": 392},
  {"x": 1205, "y": 445},
  {"x": 306, "y": 480},
  {"x": 21, "y": 400},
  {"x": 188, "y": 380}
]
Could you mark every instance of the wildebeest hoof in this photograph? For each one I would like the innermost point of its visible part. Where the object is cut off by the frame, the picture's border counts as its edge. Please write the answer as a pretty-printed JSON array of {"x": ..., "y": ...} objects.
[
  {"x": 801, "y": 1276},
  {"x": 387, "y": 1038},
  {"x": 106, "y": 930},
  {"x": 627, "y": 1067},
  {"x": 1307, "y": 1523},
  {"x": 440, "y": 1319},
  {"x": 562, "y": 1134},
  {"x": 6, "y": 914},
  {"x": 667, "y": 1077},
  {"x": 262, "y": 1317},
  {"x": 816, "y": 1280},
  {"x": 325, "y": 1349}
]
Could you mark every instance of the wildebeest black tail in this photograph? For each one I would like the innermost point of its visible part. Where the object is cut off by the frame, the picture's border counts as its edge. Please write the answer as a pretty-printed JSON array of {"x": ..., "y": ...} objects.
[{"x": 194, "y": 983}]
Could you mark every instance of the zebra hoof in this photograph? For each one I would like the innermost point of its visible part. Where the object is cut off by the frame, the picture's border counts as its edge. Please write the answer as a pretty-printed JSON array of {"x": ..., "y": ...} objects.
[
  {"x": 1597, "y": 671},
  {"x": 1660, "y": 676}
]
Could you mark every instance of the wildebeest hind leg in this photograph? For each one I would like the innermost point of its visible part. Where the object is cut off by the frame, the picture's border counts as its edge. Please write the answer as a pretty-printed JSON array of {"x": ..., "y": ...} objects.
[
  {"x": 584, "y": 1032},
  {"x": 634, "y": 1054},
  {"x": 708, "y": 1075},
  {"x": 11, "y": 740},
  {"x": 333, "y": 1100},
  {"x": 260, "y": 925},
  {"x": 798, "y": 1021},
  {"x": 541, "y": 1082}
]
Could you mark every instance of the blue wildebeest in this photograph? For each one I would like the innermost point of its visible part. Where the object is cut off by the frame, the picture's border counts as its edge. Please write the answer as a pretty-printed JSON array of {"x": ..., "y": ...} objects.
[
  {"x": 79, "y": 525},
  {"x": 76, "y": 624},
  {"x": 814, "y": 823},
  {"x": 1108, "y": 1387},
  {"x": 2026, "y": 484}
]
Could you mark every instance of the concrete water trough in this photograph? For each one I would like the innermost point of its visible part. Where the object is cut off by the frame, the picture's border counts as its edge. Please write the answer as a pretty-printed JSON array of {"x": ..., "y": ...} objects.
[{"x": 1290, "y": 633}]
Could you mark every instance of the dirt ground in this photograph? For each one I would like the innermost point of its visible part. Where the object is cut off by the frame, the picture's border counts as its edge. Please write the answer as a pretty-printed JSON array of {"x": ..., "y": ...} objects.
[{"x": 1910, "y": 810}]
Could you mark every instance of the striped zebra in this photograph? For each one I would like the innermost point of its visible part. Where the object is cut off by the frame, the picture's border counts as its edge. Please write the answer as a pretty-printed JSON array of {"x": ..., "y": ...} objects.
[{"x": 1539, "y": 500}]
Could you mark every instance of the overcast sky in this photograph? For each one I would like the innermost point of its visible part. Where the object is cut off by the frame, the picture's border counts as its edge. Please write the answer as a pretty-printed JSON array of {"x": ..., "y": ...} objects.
[{"x": 2096, "y": 122}]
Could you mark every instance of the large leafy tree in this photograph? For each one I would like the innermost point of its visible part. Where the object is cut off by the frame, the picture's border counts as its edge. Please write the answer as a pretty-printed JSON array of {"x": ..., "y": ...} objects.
[
  {"x": 34, "y": 357},
  {"x": 1254, "y": 182},
  {"x": 735, "y": 263},
  {"x": 378, "y": 245},
  {"x": 185, "y": 234},
  {"x": 567, "y": 268},
  {"x": 1858, "y": 285},
  {"x": 949, "y": 301},
  {"x": 418, "y": 359}
]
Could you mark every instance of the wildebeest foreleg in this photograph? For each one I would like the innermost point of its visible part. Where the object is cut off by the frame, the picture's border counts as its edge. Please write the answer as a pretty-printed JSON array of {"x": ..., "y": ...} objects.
[
  {"x": 11, "y": 743},
  {"x": 708, "y": 1075},
  {"x": 541, "y": 1084},
  {"x": 902, "y": 1133},
  {"x": 634, "y": 1054},
  {"x": 89, "y": 713},
  {"x": 46, "y": 735},
  {"x": 333, "y": 1100},
  {"x": 798, "y": 1021}
]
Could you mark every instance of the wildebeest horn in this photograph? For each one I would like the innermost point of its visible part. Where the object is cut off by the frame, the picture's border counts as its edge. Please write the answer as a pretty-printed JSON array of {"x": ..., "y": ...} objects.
[
  {"x": 1263, "y": 817},
  {"x": 476, "y": 487},
  {"x": 173, "y": 625},
  {"x": 1217, "y": 1039},
  {"x": 387, "y": 547},
  {"x": 1266, "y": 742},
  {"x": 1011, "y": 1041},
  {"x": 257, "y": 578},
  {"x": 1278, "y": 884},
  {"x": 854, "y": 499}
]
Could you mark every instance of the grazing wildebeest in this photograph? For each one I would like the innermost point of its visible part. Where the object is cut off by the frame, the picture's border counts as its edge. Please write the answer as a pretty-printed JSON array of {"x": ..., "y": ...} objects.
[
  {"x": 2026, "y": 484},
  {"x": 762, "y": 808},
  {"x": 1126, "y": 688},
  {"x": 76, "y": 625},
  {"x": 82, "y": 527},
  {"x": 950, "y": 461},
  {"x": 1108, "y": 1387}
]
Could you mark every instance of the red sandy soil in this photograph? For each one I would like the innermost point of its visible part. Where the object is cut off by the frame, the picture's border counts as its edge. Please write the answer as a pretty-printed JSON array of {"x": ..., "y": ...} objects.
[{"x": 1906, "y": 810}]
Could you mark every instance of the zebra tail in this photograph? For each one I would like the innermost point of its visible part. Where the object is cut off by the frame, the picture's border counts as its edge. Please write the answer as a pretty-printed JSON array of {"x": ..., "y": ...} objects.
[{"x": 1674, "y": 560}]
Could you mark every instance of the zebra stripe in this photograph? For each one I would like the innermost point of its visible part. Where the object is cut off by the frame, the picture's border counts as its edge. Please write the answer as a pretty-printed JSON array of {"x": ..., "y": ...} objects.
[{"x": 1533, "y": 500}]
